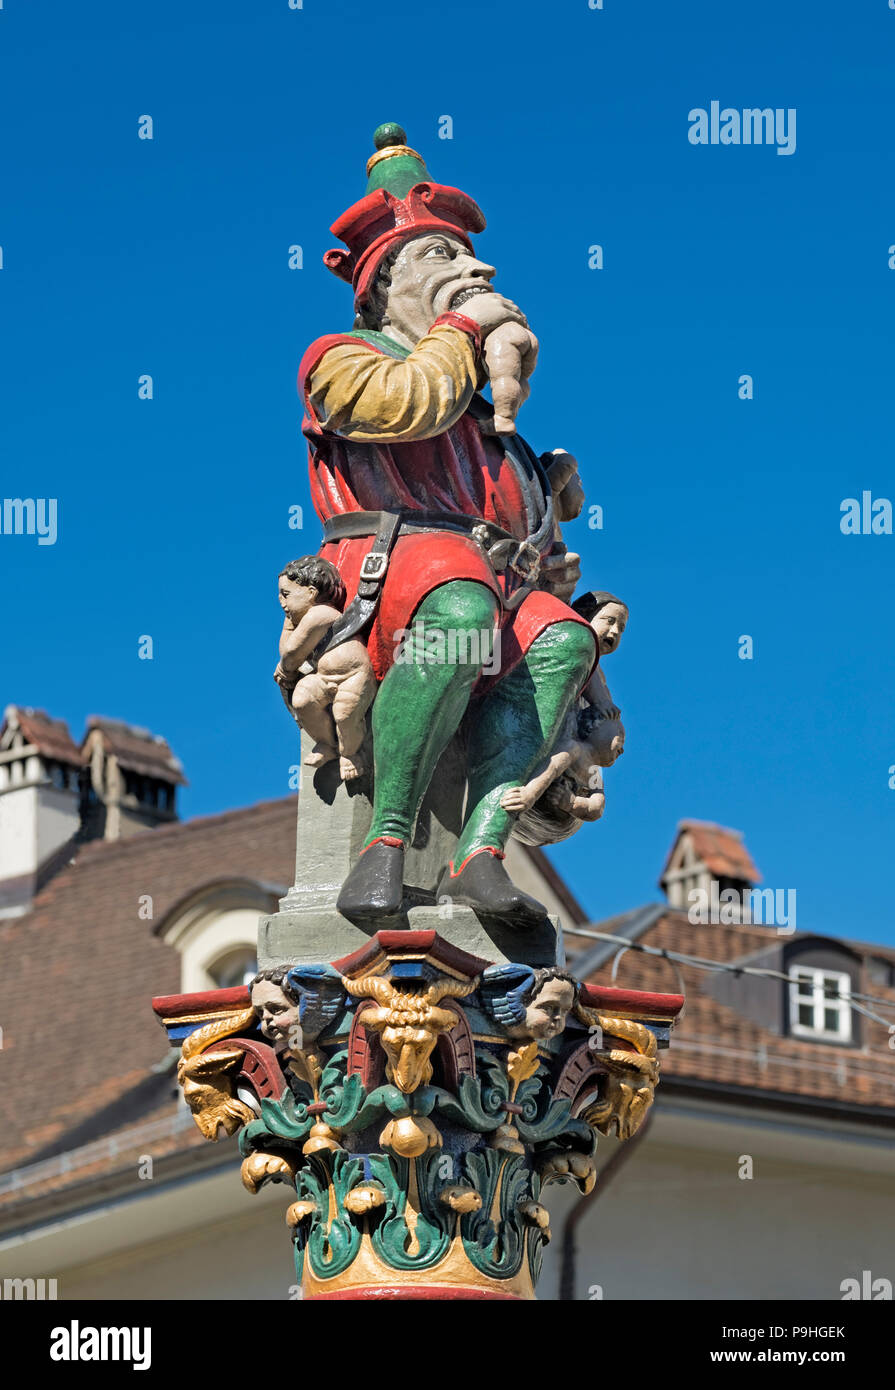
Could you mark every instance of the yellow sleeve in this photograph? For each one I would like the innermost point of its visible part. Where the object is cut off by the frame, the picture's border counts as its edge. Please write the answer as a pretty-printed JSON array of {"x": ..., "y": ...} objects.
[{"x": 360, "y": 394}]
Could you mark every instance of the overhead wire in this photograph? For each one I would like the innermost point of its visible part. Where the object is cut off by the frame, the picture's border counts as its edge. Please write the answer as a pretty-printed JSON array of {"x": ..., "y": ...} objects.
[{"x": 732, "y": 967}]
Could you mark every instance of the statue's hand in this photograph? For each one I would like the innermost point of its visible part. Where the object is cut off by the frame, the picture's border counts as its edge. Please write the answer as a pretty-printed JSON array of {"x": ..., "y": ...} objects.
[
  {"x": 560, "y": 574},
  {"x": 517, "y": 799},
  {"x": 490, "y": 310},
  {"x": 284, "y": 678},
  {"x": 287, "y": 684}
]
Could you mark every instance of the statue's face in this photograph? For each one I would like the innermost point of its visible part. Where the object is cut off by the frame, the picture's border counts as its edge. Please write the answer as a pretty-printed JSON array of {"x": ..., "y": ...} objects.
[
  {"x": 296, "y": 599},
  {"x": 277, "y": 1015},
  {"x": 609, "y": 624},
  {"x": 433, "y": 273},
  {"x": 545, "y": 1015}
]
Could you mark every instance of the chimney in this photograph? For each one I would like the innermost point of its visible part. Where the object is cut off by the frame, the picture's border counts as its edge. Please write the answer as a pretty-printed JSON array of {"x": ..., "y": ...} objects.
[
  {"x": 40, "y": 767},
  {"x": 131, "y": 780},
  {"x": 54, "y": 795},
  {"x": 704, "y": 853}
]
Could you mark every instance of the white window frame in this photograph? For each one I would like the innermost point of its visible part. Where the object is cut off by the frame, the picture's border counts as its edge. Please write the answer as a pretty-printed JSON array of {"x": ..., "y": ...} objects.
[
  {"x": 248, "y": 948},
  {"x": 210, "y": 923},
  {"x": 815, "y": 976}
]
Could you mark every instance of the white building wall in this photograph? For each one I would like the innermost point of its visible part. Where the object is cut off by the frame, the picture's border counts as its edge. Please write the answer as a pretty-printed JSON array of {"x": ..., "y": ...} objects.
[
  {"x": 526, "y": 876},
  {"x": 35, "y": 820},
  {"x": 18, "y": 831},
  {"x": 678, "y": 1222},
  {"x": 57, "y": 819},
  {"x": 677, "y": 1225}
]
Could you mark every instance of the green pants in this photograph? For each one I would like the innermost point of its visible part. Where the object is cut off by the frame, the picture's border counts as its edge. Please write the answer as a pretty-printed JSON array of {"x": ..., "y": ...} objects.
[{"x": 424, "y": 696}]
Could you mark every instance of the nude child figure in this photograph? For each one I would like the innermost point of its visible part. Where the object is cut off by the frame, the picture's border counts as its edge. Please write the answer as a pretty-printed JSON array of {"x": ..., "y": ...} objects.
[{"x": 328, "y": 696}]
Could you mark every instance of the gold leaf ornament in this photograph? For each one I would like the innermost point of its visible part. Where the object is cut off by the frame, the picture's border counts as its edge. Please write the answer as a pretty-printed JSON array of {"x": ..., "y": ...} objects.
[
  {"x": 363, "y": 1199},
  {"x": 522, "y": 1064},
  {"x": 260, "y": 1168},
  {"x": 409, "y": 1023},
  {"x": 208, "y": 1079},
  {"x": 631, "y": 1078}
]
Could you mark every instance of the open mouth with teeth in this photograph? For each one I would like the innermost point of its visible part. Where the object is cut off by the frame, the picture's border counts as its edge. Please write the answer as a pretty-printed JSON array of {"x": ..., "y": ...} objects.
[{"x": 462, "y": 296}]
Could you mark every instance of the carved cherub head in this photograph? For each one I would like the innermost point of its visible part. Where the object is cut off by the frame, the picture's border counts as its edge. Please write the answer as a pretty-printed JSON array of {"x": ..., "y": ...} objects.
[
  {"x": 547, "y": 1001},
  {"x": 607, "y": 615},
  {"x": 276, "y": 1005},
  {"x": 305, "y": 582}
]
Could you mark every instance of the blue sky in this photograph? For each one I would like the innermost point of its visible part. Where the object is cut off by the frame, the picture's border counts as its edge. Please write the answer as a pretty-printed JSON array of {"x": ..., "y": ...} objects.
[{"x": 721, "y": 516}]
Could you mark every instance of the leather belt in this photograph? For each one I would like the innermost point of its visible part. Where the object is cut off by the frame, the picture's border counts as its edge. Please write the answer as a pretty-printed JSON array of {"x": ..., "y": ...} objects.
[
  {"x": 503, "y": 550},
  {"x": 352, "y": 524},
  {"x": 384, "y": 528}
]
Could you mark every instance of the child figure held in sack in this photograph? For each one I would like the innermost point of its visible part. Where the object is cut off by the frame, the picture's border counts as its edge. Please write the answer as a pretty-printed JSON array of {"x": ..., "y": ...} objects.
[{"x": 593, "y": 737}]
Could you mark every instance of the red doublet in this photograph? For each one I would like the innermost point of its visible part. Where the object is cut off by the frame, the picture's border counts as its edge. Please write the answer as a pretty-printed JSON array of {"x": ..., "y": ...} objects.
[{"x": 460, "y": 470}]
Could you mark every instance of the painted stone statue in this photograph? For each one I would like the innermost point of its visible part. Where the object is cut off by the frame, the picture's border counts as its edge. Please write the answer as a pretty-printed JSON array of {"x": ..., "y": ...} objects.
[
  {"x": 418, "y": 1080},
  {"x": 567, "y": 788},
  {"x": 438, "y": 523}
]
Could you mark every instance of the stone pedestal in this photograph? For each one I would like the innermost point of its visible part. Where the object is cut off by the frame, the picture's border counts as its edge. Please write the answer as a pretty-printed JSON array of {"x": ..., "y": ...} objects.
[
  {"x": 333, "y": 823},
  {"x": 334, "y": 820},
  {"x": 304, "y": 936}
]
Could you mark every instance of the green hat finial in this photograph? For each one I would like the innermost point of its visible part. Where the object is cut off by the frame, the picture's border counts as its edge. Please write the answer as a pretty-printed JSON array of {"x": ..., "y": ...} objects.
[
  {"x": 395, "y": 166},
  {"x": 390, "y": 133}
]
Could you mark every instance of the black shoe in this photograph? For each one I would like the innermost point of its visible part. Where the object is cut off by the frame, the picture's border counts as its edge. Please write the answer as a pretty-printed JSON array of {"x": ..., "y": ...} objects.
[
  {"x": 375, "y": 886},
  {"x": 484, "y": 885}
]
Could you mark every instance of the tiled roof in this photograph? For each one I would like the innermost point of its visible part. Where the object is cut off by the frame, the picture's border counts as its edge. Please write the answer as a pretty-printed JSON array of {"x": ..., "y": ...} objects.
[
  {"x": 77, "y": 973},
  {"x": 163, "y": 1130},
  {"x": 717, "y": 1042},
  {"x": 720, "y": 849},
  {"x": 50, "y": 736},
  {"x": 137, "y": 750}
]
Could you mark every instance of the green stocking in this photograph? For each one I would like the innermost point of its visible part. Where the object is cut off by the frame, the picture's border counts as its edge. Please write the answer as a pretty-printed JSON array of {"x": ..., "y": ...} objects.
[
  {"x": 420, "y": 703},
  {"x": 516, "y": 725}
]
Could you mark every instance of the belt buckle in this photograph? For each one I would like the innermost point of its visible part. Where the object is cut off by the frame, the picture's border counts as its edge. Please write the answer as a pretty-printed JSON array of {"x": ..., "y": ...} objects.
[
  {"x": 374, "y": 566},
  {"x": 526, "y": 562}
]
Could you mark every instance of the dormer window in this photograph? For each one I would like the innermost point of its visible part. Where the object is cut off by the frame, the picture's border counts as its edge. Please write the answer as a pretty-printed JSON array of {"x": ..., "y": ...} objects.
[
  {"x": 820, "y": 1004},
  {"x": 706, "y": 859}
]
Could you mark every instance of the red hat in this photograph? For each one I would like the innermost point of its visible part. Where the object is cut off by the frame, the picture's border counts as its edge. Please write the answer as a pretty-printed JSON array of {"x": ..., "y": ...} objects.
[{"x": 401, "y": 201}]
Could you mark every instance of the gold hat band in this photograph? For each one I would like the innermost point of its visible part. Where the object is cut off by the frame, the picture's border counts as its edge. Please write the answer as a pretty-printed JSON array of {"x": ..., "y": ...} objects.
[{"x": 387, "y": 154}]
